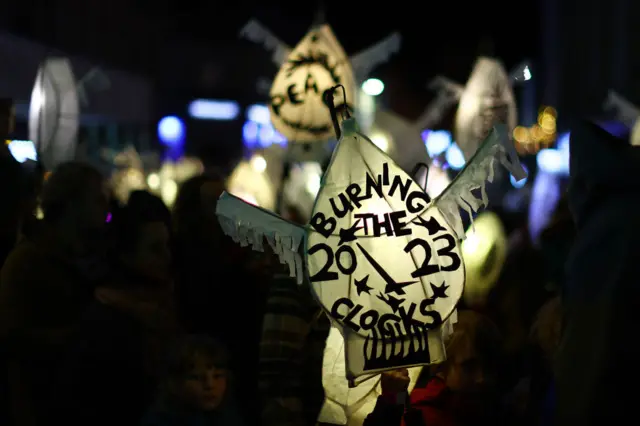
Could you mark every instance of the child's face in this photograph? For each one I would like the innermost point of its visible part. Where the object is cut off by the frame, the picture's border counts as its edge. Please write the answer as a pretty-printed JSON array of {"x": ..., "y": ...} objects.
[{"x": 206, "y": 385}]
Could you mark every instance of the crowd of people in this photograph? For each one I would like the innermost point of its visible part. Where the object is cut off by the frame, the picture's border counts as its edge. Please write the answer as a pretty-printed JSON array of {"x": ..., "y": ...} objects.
[{"x": 140, "y": 315}]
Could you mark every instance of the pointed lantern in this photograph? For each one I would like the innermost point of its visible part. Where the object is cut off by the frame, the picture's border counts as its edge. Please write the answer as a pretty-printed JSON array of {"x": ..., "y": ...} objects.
[{"x": 316, "y": 65}]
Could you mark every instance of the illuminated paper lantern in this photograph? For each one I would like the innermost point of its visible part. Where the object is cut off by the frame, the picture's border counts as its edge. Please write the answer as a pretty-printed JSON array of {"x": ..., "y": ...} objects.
[
  {"x": 382, "y": 258},
  {"x": 250, "y": 182},
  {"x": 350, "y": 405},
  {"x": 484, "y": 251},
  {"x": 487, "y": 95},
  {"x": 297, "y": 106},
  {"x": 53, "y": 112}
]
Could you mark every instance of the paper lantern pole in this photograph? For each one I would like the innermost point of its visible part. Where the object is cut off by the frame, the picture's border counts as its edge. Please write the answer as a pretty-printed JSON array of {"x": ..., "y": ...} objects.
[{"x": 381, "y": 257}]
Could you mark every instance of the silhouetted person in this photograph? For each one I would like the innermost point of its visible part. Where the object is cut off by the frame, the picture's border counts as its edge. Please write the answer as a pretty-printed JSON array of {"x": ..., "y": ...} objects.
[
  {"x": 594, "y": 372},
  {"x": 110, "y": 370},
  {"x": 46, "y": 283}
]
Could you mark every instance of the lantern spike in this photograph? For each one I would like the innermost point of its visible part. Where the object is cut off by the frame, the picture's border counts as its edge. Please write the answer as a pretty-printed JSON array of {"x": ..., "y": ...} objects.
[
  {"x": 625, "y": 111},
  {"x": 478, "y": 171},
  {"x": 257, "y": 33},
  {"x": 364, "y": 62}
]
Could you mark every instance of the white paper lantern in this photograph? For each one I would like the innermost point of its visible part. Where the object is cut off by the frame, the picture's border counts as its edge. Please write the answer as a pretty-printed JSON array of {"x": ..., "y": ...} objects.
[
  {"x": 382, "y": 258},
  {"x": 53, "y": 112},
  {"x": 484, "y": 252},
  {"x": 298, "y": 108},
  {"x": 350, "y": 405},
  {"x": 488, "y": 88},
  {"x": 250, "y": 182}
]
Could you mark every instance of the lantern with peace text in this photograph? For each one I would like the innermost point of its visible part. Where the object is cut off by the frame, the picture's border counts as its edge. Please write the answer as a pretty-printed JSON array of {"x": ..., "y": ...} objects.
[
  {"x": 382, "y": 258},
  {"x": 314, "y": 66}
]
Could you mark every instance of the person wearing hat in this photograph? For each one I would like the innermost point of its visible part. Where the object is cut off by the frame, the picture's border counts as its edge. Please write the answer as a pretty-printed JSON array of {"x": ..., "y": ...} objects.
[{"x": 46, "y": 283}]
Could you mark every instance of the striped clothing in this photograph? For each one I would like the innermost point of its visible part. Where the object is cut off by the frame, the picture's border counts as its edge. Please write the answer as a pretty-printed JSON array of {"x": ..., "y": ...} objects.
[{"x": 291, "y": 350}]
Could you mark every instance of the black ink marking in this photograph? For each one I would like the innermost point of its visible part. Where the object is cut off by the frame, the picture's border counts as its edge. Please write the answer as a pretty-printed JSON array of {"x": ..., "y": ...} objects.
[
  {"x": 432, "y": 225},
  {"x": 439, "y": 292},
  {"x": 385, "y": 349},
  {"x": 361, "y": 286},
  {"x": 325, "y": 274},
  {"x": 349, "y": 234},
  {"x": 392, "y": 286},
  {"x": 393, "y": 303}
]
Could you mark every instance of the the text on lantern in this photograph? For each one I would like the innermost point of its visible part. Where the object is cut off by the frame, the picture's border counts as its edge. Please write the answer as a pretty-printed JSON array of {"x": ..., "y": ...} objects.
[
  {"x": 353, "y": 196},
  {"x": 346, "y": 310}
]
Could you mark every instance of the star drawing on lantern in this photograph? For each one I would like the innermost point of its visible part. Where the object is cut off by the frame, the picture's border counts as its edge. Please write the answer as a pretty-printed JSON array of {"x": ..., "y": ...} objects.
[
  {"x": 393, "y": 303},
  {"x": 349, "y": 234},
  {"x": 439, "y": 291},
  {"x": 361, "y": 285}
]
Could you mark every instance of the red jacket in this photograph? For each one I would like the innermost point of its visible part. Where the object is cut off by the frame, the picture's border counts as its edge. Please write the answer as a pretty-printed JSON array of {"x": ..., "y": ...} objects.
[{"x": 427, "y": 407}]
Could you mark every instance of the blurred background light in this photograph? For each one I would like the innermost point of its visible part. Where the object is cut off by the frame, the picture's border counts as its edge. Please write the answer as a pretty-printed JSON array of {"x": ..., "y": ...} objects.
[
  {"x": 454, "y": 157},
  {"x": 171, "y": 131},
  {"x": 373, "y": 87},
  {"x": 207, "y": 109},
  {"x": 436, "y": 141}
]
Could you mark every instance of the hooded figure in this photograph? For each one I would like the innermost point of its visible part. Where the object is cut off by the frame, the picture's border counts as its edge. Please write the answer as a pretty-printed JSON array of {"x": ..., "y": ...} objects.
[{"x": 598, "y": 353}]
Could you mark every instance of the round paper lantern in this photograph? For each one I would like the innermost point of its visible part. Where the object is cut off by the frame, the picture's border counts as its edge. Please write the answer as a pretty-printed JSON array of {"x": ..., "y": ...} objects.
[
  {"x": 53, "y": 112},
  {"x": 298, "y": 108},
  {"x": 484, "y": 251},
  {"x": 485, "y": 100}
]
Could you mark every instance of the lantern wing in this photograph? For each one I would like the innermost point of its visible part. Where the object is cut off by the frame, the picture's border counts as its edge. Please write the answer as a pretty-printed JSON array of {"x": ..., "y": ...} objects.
[
  {"x": 317, "y": 64},
  {"x": 258, "y": 33},
  {"x": 487, "y": 99},
  {"x": 250, "y": 225},
  {"x": 459, "y": 194},
  {"x": 364, "y": 62},
  {"x": 53, "y": 112}
]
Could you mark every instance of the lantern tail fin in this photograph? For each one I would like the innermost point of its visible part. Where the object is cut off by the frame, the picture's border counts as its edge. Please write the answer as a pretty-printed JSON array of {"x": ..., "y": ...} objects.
[
  {"x": 250, "y": 225},
  {"x": 459, "y": 194},
  {"x": 257, "y": 33},
  {"x": 375, "y": 55}
]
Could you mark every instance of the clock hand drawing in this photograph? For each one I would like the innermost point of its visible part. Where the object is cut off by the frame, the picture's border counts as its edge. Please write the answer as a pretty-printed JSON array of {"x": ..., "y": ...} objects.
[{"x": 392, "y": 286}]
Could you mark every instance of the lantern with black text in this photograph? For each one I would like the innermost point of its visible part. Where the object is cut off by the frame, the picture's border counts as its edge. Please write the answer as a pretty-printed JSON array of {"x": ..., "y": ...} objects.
[
  {"x": 316, "y": 64},
  {"x": 382, "y": 258}
]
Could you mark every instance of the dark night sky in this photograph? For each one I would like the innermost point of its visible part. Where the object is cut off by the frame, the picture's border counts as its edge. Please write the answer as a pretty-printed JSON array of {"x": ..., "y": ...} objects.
[{"x": 438, "y": 37}]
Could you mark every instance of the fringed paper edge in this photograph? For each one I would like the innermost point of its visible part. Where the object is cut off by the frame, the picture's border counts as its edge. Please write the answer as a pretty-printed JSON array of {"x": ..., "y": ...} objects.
[
  {"x": 480, "y": 170},
  {"x": 248, "y": 225},
  {"x": 375, "y": 55}
]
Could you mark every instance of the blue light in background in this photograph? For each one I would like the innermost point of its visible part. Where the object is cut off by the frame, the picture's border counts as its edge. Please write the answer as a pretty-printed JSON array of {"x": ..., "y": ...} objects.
[
  {"x": 257, "y": 131},
  {"x": 436, "y": 141},
  {"x": 259, "y": 114},
  {"x": 521, "y": 183},
  {"x": 454, "y": 157},
  {"x": 171, "y": 131},
  {"x": 208, "y": 109}
]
